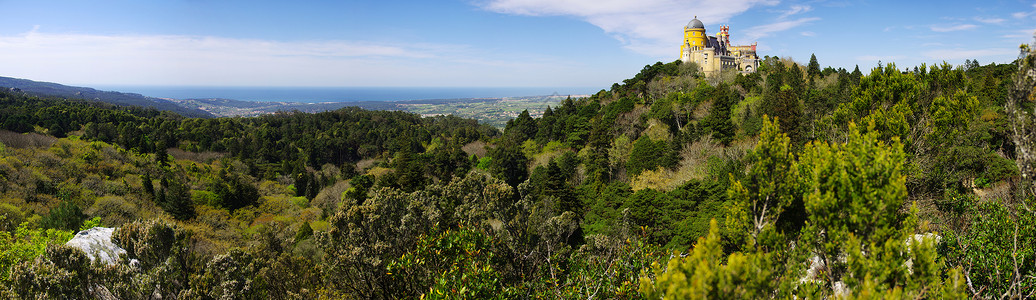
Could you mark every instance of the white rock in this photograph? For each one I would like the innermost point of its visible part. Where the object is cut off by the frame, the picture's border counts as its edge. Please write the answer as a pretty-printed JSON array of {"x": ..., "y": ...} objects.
[{"x": 97, "y": 243}]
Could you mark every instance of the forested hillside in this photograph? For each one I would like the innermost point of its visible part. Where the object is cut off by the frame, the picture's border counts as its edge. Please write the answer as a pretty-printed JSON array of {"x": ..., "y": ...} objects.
[
  {"x": 795, "y": 181},
  {"x": 48, "y": 89}
]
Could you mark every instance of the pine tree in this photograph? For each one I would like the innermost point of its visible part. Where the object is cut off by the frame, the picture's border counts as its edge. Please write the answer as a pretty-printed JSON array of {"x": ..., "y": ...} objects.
[
  {"x": 304, "y": 232},
  {"x": 524, "y": 126},
  {"x": 813, "y": 69},
  {"x": 175, "y": 198},
  {"x": 718, "y": 121},
  {"x": 161, "y": 156},
  {"x": 149, "y": 187},
  {"x": 782, "y": 102},
  {"x": 856, "y": 75}
]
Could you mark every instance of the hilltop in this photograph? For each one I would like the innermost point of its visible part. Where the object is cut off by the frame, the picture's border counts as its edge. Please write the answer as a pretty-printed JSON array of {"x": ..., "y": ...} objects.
[{"x": 50, "y": 89}]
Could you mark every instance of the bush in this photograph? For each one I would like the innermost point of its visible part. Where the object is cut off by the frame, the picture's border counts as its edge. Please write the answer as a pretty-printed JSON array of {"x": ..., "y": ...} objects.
[
  {"x": 62, "y": 273},
  {"x": 67, "y": 216},
  {"x": 114, "y": 210},
  {"x": 200, "y": 197},
  {"x": 995, "y": 244},
  {"x": 10, "y": 217},
  {"x": 25, "y": 245},
  {"x": 648, "y": 154}
]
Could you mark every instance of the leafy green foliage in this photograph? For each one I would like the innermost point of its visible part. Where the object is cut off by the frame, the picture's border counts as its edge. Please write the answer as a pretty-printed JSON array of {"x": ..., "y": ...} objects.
[
  {"x": 227, "y": 276},
  {"x": 647, "y": 154},
  {"x": 66, "y": 216},
  {"x": 705, "y": 273},
  {"x": 62, "y": 272},
  {"x": 768, "y": 200},
  {"x": 994, "y": 249},
  {"x": 357, "y": 204},
  {"x": 453, "y": 263},
  {"x": 26, "y": 244},
  {"x": 719, "y": 119},
  {"x": 175, "y": 198},
  {"x": 509, "y": 163},
  {"x": 813, "y": 69},
  {"x": 10, "y": 217},
  {"x": 856, "y": 192}
]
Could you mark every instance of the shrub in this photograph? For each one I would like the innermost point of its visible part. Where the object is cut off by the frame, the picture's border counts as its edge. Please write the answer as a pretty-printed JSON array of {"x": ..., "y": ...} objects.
[
  {"x": 66, "y": 216},
  {"x": 114, "y": 210},
  {"x": 10, "y": 217}
]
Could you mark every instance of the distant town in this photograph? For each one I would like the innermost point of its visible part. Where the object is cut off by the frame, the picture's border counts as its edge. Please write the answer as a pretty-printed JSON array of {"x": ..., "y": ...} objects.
[{"x": 492, "y": 111}]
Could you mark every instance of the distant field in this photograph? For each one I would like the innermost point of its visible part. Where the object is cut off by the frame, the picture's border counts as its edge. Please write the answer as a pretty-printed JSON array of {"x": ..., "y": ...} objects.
[{"x": 492, "y": 111}]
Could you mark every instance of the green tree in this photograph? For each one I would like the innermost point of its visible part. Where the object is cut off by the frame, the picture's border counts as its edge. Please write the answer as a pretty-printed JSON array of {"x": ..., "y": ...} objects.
[
  {"x": 360, "y": 185},
  {"x": 451, "y": 264},
  {"x": 951, "y": 116},
  {"x": 645, "y": 155},
  {"x": 165, "y": 252},
  {"x": 706, "y": 273},
  {"x": 364, "y": 239},
  {"x": 523, "y": 127},
  {"x": 25, "y": 244},
  {"x": 993, "y": 249},
  {"x": 554, "y": 183},
  {"x": 856, "y": 75},
  {"x": 409, "y": 171},
  {"x": 66, "y": 216},
  {"x": 719, "y": 122},
  {"x": 148, "y": 184},
  {"x": 10, "y": 217},
  {"x": 509, "y": 163},
  {"x": 235, "y": 190},
  {"x": 767, "y": 201},
  {"x": 645, "y": 210},
  {"x": 813, "y": 69},
  {"x": 62, "y": 272},
  {"x": 227, "y": 276},
  {"x": 176, "y": 200},
  {"x": 305, "y": 232},
  {"x": 785, "y": 107},
  {"x": 855, "y": 199}
]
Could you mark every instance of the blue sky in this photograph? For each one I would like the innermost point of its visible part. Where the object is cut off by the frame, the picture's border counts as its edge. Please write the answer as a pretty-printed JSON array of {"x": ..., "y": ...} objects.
[{"x": 475, "y": 43}]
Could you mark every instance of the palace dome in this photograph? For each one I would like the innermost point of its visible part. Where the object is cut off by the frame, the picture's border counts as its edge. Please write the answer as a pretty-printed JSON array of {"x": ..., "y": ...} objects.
[{"x": 695, "y": 23}]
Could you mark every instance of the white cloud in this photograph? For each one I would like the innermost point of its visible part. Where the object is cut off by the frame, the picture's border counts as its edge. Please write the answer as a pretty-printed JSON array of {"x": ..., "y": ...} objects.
[
  {"x": 648, "y": 26},
  {"x": 990, "y": 20},
  {"x": 808, "y": 33},
  {"x": 1020, "y": 34},
  {"x": 794, "y": 10},
  {"x": 208, "y": 61},
  {"x": 968, "y": 54},
  {"x": 1024, "y": 14},
  {"x": 1026, "y": 35},
  {"x": 762, "y": 31},
  {"x": 949, "y": 28}
]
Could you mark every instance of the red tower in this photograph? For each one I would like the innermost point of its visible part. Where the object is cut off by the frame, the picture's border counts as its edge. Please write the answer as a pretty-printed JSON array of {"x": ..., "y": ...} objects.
[{"x": 724, "y": 33}]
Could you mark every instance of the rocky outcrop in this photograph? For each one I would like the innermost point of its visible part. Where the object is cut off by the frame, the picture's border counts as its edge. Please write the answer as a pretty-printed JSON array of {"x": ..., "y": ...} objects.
[{"x": 97, "y": 244}]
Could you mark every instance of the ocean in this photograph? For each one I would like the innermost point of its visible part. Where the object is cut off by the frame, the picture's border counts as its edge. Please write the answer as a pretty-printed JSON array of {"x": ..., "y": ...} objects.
[{"x": 344, "y": 94}]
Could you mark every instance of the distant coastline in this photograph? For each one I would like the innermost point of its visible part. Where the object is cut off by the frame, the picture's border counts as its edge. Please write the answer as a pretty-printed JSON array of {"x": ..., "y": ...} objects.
[{"x": 344, "y": 94}]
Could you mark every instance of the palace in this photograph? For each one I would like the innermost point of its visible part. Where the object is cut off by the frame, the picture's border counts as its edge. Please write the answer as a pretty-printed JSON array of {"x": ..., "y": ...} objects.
[{"x": 715, "y": 53}]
